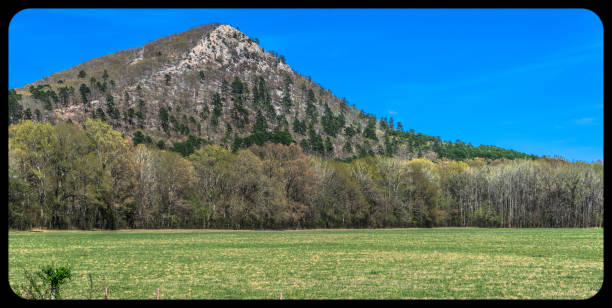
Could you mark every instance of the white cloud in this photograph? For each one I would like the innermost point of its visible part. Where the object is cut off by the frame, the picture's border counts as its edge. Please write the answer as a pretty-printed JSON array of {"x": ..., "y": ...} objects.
[{"x": 585, "y": 121}]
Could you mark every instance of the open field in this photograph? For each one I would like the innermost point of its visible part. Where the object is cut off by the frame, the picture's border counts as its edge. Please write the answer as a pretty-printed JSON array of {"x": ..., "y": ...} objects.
[{"x": 445, "y": 263}]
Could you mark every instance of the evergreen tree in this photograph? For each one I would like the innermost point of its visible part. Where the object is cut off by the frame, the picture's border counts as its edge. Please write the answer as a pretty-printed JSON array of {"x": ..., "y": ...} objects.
[
  {"x": 299, "y": 127},
  {"x": 138, "y": 138},
  {"x": 217, "y": 109},
  {"x": 237, "y": 144},
  {"x": 224, "y": 87},
  {"x": 228, "y": 132},
  {"x": 331, "y": 124},
  {"x": 305, "y": 145},
  {"x": 286, "y": 100},
  {"x": 383, "y": 124},
  {"x": 348, "y": 147},
  {"x": 349, "y": 131},
  {"x": 311, "y": 97},
  {"x": 239, "y": 114},
  {"x": 101, "y": 114},
  {"x": 370, "y": 129},
  {"x": 261, "y": 125},
  {"x": 84, "y": 90},
  {"x": 183, "y": 148},
  {"x": 315, "y": 141},
  {"x": 311, "y": 110},
  {"x": 329, "y": 147},
  {"x": 163, "y": 117},
  {"x": 237, "y": 88},
  {"x": 14, "y": 108},
  {"x": 27, "y": 114},
  {"x": 217, "y": 105}
]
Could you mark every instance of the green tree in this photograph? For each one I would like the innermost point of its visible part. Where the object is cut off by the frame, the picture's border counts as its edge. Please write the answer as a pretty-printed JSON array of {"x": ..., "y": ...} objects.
[
  {"x": 329, "y": 147},
  {"x": 370, "y": 130},
  {"x": 55, "y": 277},
  {"x": 315, "y": 141},
  {"x": 27, "y": 114},
  {"x": 311, "y": 110},
  {"x": 299, "y": 127},
  {"x": 348, "y": 147},
  {"x": 184, "y": 148},
  {"x": 217, "y": 109},
  {"x": 261, "y": 125},
  {"x": 163, "y": 117},
  {"x": 84, "y": 90},
  {"x": 14, "y": 113},
  {"x": 64, "y": 94},
  {"x": 138, "y": 138}
]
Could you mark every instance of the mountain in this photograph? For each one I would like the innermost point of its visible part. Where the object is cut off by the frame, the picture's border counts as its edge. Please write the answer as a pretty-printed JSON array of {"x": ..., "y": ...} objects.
[{"x": 214, "y": 84}]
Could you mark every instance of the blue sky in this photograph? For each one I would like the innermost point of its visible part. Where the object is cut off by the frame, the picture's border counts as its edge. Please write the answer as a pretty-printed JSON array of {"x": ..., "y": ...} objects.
[{"x": 529, "y": 80}]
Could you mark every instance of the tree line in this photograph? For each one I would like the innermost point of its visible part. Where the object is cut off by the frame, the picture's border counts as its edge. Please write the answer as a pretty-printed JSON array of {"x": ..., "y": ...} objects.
[{"x": 73, "y": 176}]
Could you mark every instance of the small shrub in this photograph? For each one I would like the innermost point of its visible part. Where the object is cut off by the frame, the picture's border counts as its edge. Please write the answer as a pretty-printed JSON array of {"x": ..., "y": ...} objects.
[
  {"x": 45, "y": 284},
  {"x": 55, "y": 277}
]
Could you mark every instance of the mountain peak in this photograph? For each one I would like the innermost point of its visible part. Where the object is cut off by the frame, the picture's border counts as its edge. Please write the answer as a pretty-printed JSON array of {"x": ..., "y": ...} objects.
[{"x": 215, "y": 83}]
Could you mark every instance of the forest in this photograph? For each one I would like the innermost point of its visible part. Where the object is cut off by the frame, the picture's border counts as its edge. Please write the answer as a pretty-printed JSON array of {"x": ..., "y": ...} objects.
[{"x": 72, "y": 176}]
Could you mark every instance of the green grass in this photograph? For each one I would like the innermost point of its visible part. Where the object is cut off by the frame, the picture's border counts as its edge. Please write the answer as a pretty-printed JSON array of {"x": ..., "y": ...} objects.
[{"x": 446, "y": 263}]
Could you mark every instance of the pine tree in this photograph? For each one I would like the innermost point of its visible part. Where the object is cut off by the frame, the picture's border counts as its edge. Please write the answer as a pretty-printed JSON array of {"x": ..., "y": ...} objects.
[
  {"x": 163, "y": 117},
  {"x": 261, "y": 125},
  {"x": 315, "y": 141},
  {"x": 138, "y": 138},
  {"x": 329, "y": 147},
  {"x": 348, "y": 147},
  {"x": 84, "y": 90},
  {"x": 305, "y": 145},
  {"x": 370, "y": 129},
  {"x": 299, "y": 127},
  {"x": 228, "y": 132}
]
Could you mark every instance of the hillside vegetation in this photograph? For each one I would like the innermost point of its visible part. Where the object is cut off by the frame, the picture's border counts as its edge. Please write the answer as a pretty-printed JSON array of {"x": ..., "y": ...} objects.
[{"x": 215, "y": 85}]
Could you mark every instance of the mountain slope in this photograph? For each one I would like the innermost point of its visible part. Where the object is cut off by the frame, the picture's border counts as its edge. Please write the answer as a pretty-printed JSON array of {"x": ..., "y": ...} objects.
[{"x": 214, "y": 84}]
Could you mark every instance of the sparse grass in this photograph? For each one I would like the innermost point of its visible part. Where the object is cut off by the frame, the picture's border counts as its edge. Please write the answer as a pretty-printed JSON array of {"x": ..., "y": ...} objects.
[{"x": 446, "y": 263}]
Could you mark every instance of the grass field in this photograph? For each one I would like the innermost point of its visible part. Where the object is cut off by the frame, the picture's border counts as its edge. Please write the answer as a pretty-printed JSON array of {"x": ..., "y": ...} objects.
[{"x": 445, "y": 263}]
